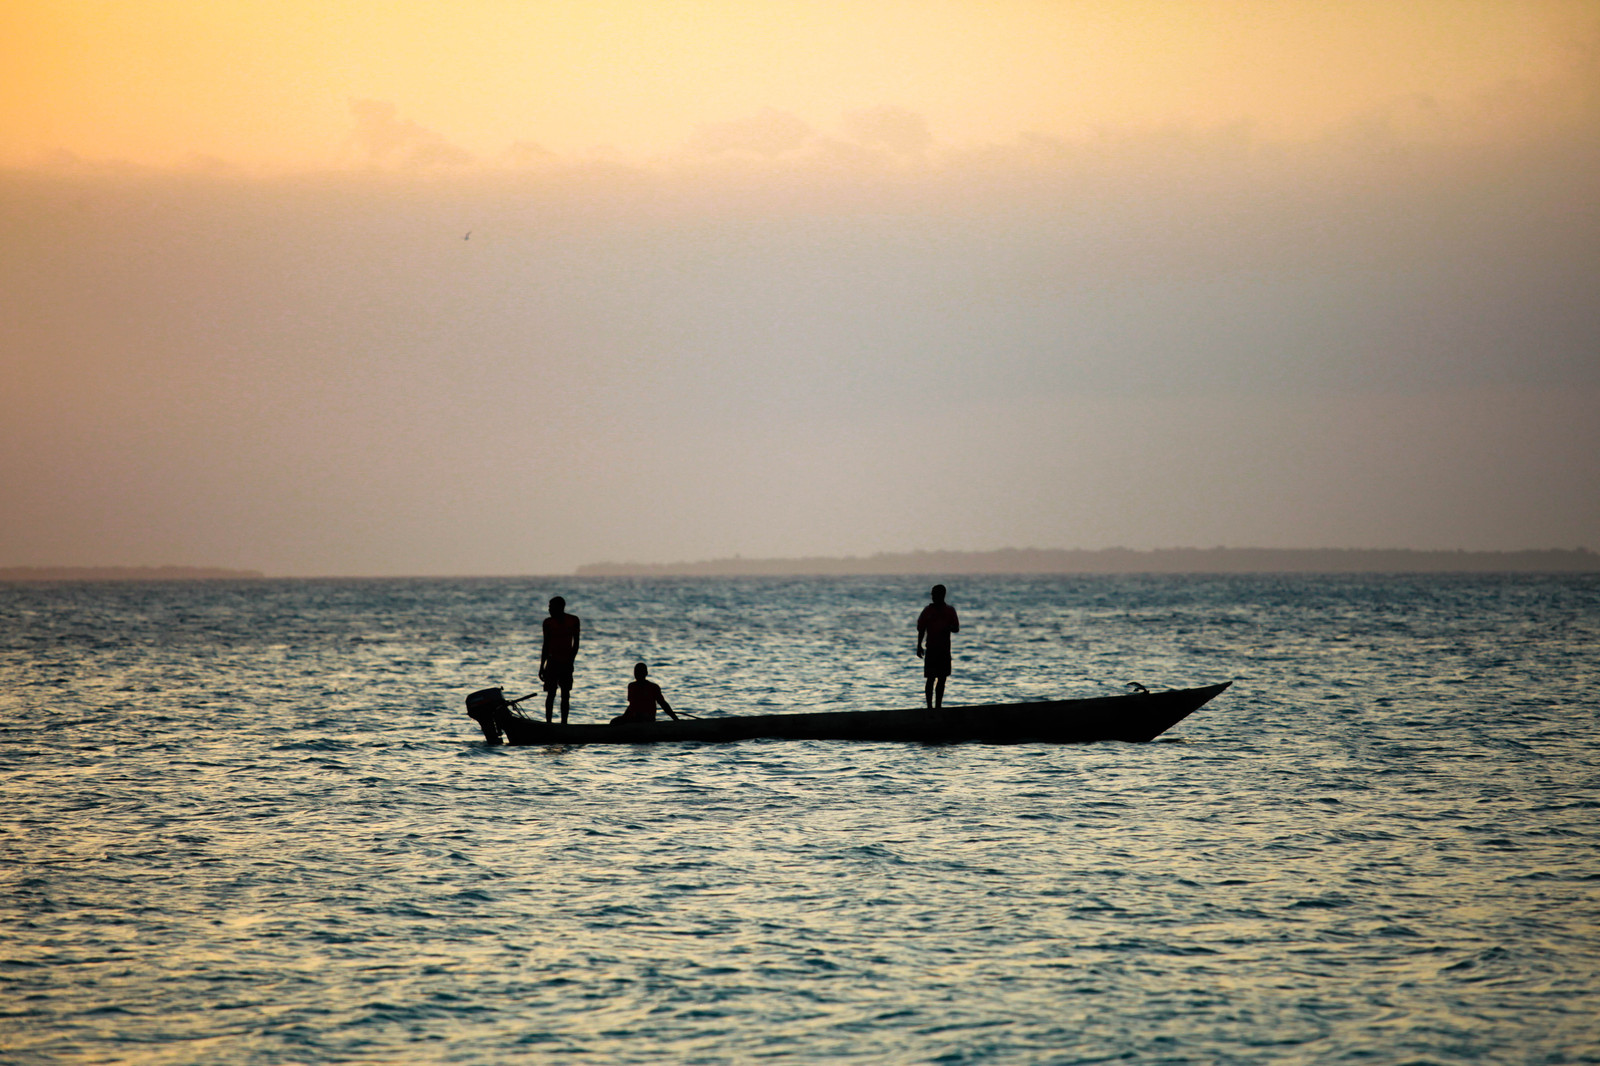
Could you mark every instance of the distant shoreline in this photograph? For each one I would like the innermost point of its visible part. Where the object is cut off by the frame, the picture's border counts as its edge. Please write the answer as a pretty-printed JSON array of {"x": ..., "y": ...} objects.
[
  {"x": 1002, "y": 561},
  {"x": 1127, "y": 561},
  {"x": 126, "y": 573}
]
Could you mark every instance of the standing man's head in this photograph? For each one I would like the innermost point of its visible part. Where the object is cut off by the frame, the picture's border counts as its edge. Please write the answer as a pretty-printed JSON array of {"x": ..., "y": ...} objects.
[
  {"x": 640, "y": 671},
  {"x": 938, "y": 594},
  {"x": 558, "y": 606}
]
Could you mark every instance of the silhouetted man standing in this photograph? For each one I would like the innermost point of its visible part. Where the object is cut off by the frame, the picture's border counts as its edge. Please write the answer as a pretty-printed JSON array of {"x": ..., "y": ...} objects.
[
  {"x": 935, "y": 624},
  {"x": 561, "y": 632}
]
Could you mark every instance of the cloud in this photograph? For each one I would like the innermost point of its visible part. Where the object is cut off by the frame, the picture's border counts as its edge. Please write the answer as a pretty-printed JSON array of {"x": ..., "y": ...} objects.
[
  {"x": 386, "y": 139},
  {"x": 523, "y": 154},
  {"x": 767, "y": 133},
  {"x": 902, "y": 132}
]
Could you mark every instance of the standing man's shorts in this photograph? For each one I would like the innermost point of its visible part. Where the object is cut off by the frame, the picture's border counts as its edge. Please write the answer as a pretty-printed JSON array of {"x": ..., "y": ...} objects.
[
  {"x": 557, "y": 675},
  {"x": 935, "y": 664}
]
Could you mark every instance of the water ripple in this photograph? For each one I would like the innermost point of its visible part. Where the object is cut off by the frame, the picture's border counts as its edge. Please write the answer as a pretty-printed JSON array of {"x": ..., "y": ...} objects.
[{"x": 250, "y": 823}]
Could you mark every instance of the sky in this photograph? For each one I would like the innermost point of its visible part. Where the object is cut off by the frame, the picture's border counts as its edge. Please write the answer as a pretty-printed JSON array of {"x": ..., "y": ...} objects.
[{"x": 506, "y": 287}]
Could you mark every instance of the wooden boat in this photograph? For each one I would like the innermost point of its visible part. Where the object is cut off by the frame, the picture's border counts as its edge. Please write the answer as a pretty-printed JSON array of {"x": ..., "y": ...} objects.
[{"x": 1139, "y": 717}]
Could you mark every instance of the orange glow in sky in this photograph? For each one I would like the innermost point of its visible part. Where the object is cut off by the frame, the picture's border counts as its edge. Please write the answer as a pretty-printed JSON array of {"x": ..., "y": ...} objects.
[{"x": 270, "y": 82}]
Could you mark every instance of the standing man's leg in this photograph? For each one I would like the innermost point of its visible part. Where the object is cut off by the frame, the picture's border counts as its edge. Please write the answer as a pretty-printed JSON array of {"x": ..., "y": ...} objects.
[
  {"x": 550, "y": 701},
  {"x": 566, "y": 697},
  {"x": 927, "y": 693},
  {"x": 938, "y": 691}
]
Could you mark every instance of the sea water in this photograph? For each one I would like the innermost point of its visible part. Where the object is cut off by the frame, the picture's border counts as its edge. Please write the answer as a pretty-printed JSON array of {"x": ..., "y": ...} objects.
[{"x": 251, "y": 823}]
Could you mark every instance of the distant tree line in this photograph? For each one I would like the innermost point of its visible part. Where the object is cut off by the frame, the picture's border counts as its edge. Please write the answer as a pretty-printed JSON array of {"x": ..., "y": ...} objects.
[{"x": 1128, "y": 561}]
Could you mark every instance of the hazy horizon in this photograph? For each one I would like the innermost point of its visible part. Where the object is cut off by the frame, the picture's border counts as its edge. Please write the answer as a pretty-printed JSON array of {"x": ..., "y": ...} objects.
[{"x": 519, "y": 292}]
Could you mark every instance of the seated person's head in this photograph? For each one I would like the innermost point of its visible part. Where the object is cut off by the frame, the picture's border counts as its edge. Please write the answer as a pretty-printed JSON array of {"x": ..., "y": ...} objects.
[{"x": 640, "y": 671}]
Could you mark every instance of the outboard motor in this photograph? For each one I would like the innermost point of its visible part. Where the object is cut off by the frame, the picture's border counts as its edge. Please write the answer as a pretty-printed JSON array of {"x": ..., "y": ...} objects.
[{"x": 487, "y": 705}]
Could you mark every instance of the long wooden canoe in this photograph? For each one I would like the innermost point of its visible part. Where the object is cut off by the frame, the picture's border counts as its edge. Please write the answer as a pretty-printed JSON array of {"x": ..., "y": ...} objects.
[{"x": 1138, "y": 717}]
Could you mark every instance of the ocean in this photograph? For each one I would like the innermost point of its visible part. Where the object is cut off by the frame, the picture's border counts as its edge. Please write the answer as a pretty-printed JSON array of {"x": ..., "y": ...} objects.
[{"x": 251, "y": 823}]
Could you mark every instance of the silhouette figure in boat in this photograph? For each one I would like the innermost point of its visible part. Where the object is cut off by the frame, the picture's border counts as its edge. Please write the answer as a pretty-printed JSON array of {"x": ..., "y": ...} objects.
[
  {"x": 561, "y": 638},
  {"x": 934, "y": 625},
  {"x": 643, "y": 696}
]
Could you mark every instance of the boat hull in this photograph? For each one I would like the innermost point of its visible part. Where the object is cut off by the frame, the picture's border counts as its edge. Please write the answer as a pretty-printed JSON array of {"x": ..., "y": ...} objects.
[{"x": 1137, "y": 718}]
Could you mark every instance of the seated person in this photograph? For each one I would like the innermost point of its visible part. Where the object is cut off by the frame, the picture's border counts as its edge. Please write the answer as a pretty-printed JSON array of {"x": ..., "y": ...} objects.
[{"x": 642, "y": 699}]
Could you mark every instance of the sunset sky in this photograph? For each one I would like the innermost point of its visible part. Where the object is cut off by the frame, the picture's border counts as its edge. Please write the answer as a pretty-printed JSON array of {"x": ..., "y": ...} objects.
[{"x": 792, "y": 279}]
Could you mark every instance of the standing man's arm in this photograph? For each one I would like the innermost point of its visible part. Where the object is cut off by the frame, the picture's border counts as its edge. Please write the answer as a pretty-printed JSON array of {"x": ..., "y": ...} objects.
[
  {"x": 576, "y": 627},
  {"x": 955, "y": 623},
  {"x": 922, "y": 625},
  {"x": 544, "y": 651}
]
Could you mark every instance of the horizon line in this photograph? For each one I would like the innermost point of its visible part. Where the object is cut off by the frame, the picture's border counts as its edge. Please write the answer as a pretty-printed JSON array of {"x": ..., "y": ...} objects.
[{"x": 1127, "y": 560}]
